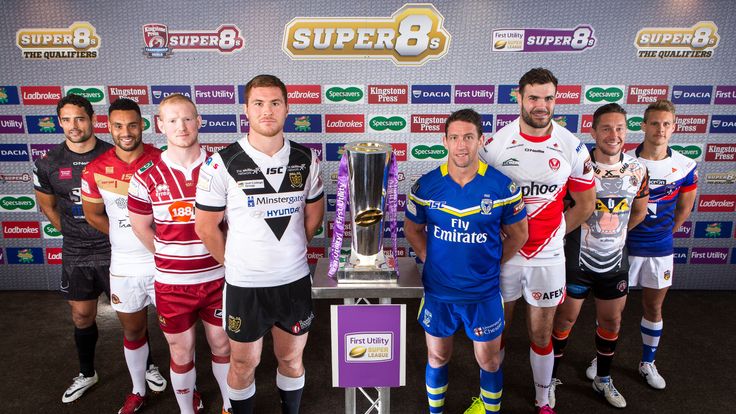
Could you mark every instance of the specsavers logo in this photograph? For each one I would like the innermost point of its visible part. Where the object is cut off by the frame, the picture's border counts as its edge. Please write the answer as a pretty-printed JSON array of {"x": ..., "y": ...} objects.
[
  {"x": 595, "y": 94},
  {"x": 692, "y": 151},
  {"x": 94, "y": 94},
  {"x": 344, "y": 94},
  {"x": 698, "y": 41},
  {"x": 161, "y": 42},
  {"x": 387, "y": 123},
  {"x": 17, "y": 203},
  {"x": 413, "y": 35},
  {"x": 78, "y": 41},
  {"x": 428, "y": 152}
]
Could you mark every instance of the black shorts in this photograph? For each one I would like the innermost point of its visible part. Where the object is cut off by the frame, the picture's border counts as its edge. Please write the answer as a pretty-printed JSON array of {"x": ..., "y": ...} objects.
[
  {"x": 251, "y": 312},
  {"x": 82, "y": 279},
  {"x": 605, "y": 286}
]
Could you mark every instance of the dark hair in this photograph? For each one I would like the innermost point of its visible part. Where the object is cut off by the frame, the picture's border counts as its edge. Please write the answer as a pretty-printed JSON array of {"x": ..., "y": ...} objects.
[
  {"x": 537, "y": 76},
  {"x": 661, "y": 105},
  {"x": 76, "y": 100},
  {"x": 611, "y": 108},
  {"x": 265, "y": 81},
  {"x": 124, "y": 104},
  {"x": 467, "y": 115}
]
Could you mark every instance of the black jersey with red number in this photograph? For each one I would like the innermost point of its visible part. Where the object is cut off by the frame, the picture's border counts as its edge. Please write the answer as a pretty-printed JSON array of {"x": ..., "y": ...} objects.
[{"x": 59, "y": 173}]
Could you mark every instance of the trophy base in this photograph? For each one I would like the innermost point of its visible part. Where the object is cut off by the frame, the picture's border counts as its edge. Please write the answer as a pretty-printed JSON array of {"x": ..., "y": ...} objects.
[{"x": 380, "y": 270}]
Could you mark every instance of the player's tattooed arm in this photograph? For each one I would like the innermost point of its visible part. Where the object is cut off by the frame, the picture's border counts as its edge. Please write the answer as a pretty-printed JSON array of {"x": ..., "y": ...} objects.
[{"x": 583, "y": 207}]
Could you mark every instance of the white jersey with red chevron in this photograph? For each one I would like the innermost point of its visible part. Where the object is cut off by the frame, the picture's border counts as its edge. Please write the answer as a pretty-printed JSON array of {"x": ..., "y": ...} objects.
[
  {"x": 167, "y": 191},
  {"x": 545, "y": 168}
]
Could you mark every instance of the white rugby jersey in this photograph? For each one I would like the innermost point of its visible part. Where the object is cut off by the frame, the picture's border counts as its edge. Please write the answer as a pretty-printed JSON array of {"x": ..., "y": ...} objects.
[
  {"x": 167, "y": 190},
  {"x": 544, "y": 167},
  {"x": 105, "y": 180},
  {"x": 264, "y": 199}
]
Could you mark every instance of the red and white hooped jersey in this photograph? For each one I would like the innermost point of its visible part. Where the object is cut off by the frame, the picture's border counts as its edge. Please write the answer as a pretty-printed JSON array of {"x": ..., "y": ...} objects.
[
  {"x": 544, "y": 168},
  {"x": 106, "y": 180},
  {"x": 167, "y": 191}
]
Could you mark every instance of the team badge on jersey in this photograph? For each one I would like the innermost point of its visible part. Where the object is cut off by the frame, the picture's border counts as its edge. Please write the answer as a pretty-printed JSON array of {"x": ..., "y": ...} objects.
[
  {"x": 296, "y": 179},
  {"x": 554, "y": 164},
  {"x": 667, "y": 275},
  {"x": 486, "y": 206}
]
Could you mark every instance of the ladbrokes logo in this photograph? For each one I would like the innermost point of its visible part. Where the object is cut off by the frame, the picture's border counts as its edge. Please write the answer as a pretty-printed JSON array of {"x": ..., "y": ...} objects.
[
  {"x": 304, "y": 94},
  {"x": 78, "y": 41},
  {"x": 428, "y": 152},
  {"x": 604, "y": 93},
  {"x": 345, "y": 123},
  {"x": 399, "y": 149},
  {"x": 411, "y": 36},
  {"x": 161, "y": 42},
  {"x": 40, "y": 95},
  {"x": 698, "y": 41},
  {"x": 717, "y": 203},
  {"x": 21, "y": 230},
  {"x": 428, "y": 123},
  {"x": 94, "y": 94},
  {"x": 387, "y": 123}
]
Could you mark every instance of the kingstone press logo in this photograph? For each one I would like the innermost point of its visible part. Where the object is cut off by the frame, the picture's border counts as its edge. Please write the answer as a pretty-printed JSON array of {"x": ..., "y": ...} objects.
[
  {"x": 94, "y": 94},
  {"x": 300, "y": 94},
  {"x": 725, "y": 95},
  {"x": 691, "y": 124},
  {"x": 13, "y": 152},
  {"x": 40, "y": 95},
  {"x": 428, "y": 123},
  {"x": 721, "y": 152},
  {"x": 345, "y": 123},
  {"x": 698, "y": 41},
  {"x": 43, "y": 124},
  {"x": 431, "y": 94},
  {"x": 160, "y": 42},
  {"x": 388, "y": 94},
  {"x": 78, "y": 41},
  {"x": 428, "y": 152},
  {"x": 646, "y": 94},
  {"x": 9, "y": 95},
  {"x": 303, "y": 123},
  {"x": 387, "y": 123},
  {"x": 692, "y": 151},
  {"x": 137, "y": 93},
  {"x": 723, "y": 124},
  {"x": 576, "y": 39},
  {"x": 159, "y": 92},
  {"x": 692, "y": 94},
  {"x": 413, "y": 35},
  {"x": 604, "y": 94},
  {"x": 474, "y": 94},
  {"x": 713, "y": 229},
  {"x": 17, "y": 203},
  {"x": 346, "y": 94},
  {"x": 214, "y": 94},
  {"x": 219, "y": 124},
  {"x": 570, "y": 122},
  {"x": 24, "y": 255}
]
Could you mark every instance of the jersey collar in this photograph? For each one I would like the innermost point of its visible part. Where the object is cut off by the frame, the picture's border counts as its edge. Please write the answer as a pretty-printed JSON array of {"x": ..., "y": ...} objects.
[{"x": 641, "y": 146}]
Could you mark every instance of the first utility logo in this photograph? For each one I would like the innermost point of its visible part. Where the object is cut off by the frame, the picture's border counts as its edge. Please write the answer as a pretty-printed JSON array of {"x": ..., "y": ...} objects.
[{"x": 413, "y": 35}]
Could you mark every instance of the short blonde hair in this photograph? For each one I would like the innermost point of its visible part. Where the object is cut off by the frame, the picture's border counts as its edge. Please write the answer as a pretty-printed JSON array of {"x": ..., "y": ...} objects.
[{"x": 174, "y": 98}]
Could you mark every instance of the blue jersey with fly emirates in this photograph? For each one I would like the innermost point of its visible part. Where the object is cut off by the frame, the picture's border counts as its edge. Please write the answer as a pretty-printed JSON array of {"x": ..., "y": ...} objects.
[{"x": 463, "y": 231}]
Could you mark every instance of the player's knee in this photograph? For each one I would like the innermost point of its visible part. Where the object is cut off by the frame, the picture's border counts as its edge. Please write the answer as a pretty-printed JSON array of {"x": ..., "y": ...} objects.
[
  {"x": 181, "y": 353},
  {"x": 489, "y": 363},
  {"x": 612, "y": 323},
  {"x": 83, "y": 319},
  {"x": 242, "y": 365},
  {"x": 438, "y": 359},
  {"x": 541, "y": 338},
  {"x": 134, "y": 333}
]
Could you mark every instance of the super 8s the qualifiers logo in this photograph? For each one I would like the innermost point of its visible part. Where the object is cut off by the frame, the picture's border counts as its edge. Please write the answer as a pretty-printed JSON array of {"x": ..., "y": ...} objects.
[
  {"x": 78, "y": 41},
  {"x": 413, "y": 35},
  {"x": 698, "y": 41},
  {"x": 161, "y": 42}
]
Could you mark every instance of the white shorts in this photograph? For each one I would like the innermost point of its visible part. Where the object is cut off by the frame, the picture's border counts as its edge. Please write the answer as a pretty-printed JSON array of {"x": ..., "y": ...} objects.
[
  {"x": 129, "y": 294},
  {"x": 651, "y": 272},
  {"x": 542, "y": 286}
]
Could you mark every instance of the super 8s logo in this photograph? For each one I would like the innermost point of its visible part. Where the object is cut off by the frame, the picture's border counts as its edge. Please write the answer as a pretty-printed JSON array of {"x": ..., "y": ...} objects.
[{"x": 413, "y": 35}]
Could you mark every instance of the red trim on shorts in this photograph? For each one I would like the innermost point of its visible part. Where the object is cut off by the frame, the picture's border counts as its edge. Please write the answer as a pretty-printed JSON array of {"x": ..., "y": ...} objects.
[
  {"x": 606, "y": 334},
  {"x": 133, "y": 345},
  {"x": 181, "y": 369},
  {"x": 542, "y": 351},
  {"x": 221, "y": 359}
]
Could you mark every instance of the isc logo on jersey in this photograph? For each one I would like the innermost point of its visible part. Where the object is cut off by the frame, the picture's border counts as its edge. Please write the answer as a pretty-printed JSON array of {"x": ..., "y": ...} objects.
[
  {"x": 78, "y": 41},
  {"x": 413, "y": 35},
  {"x": 160, "y": 42},
  {"x": 698, "y": 41}
]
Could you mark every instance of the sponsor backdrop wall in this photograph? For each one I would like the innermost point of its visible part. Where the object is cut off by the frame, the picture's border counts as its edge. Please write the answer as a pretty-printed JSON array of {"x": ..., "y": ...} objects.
[{"x": 385, "y": 71}]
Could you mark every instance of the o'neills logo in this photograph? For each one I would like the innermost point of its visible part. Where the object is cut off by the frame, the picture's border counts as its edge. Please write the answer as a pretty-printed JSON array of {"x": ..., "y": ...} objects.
[
  {"x": 413, "y": 35},
  {"x": 78, "y": 41},
  {"x": 137, "y": 93},
  {"x": 345, "y": 123},
  {"x": 40, "y": 95},
  {"x": 698, "y": 41},
  {"x": 161, "y": 42},
  {"x": 388, "y": 94},
  {"x": 646, "y": 94},
  {"x": 717, "y": 203},
  {"x": 53, "y": 255},
  {"x": 721, "y": 152},
  {"x": 304, "y": 94},
  {"x": 691, "y": 124},
  {"x": 428, "y": 123},
  {"x": 21, "y": 230}
]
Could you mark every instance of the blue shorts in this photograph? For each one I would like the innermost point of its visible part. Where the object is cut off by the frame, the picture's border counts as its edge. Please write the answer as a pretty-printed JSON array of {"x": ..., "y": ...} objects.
[{"x": 483, "y": 321}]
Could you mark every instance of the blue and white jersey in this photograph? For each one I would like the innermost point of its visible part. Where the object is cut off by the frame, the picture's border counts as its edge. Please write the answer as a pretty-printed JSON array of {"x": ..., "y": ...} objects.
[
  {"x": 463, "y": 231},
  {"x": 668, "y": 178}
]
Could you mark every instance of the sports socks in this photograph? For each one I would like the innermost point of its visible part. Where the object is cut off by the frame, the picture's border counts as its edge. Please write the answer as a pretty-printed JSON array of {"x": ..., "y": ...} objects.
[
  {"x": 542, "y": 361},
  {"x": 559, "y": 342},
  {"x": 491, "y": 388},
  {"x": 290, "y": 391},
  {"x": 220, "y": 366},
  {"x": 86, "y": 341},
  {"x": 436, "y": 382},
  {"x": 242, "y": 401},
  {"x": 605, "y": 345},
  {"x": 183, "y": 379},
  {"x": 136, "y": 356},
  {"x": 650, "y": 333}
]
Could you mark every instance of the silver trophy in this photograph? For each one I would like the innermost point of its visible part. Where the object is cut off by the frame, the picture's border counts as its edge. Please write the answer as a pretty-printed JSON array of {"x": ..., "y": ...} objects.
[{"x": 368, "y": 167}]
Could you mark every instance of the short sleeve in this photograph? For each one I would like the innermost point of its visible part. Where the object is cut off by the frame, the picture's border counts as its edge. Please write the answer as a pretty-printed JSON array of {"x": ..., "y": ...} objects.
[{"x": 212, "y": 185}]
